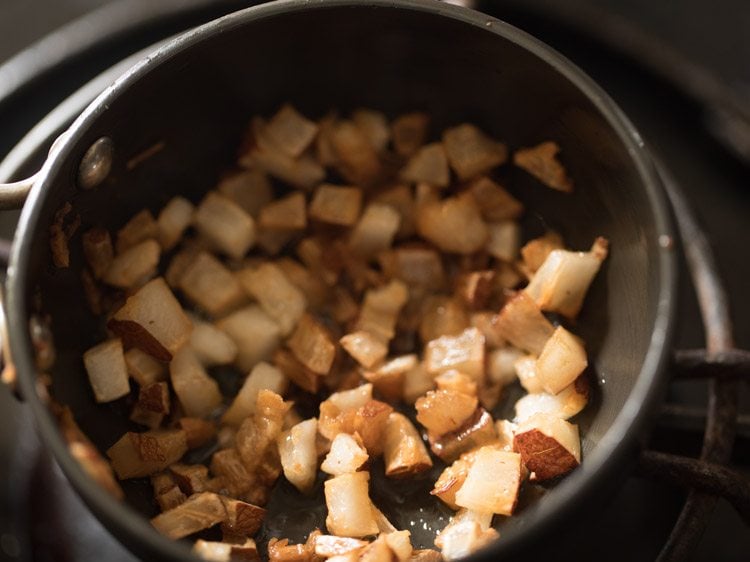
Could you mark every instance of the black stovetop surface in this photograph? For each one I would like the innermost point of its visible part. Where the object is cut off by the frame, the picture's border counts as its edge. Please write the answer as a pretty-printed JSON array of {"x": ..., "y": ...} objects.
[{"x": 41, "y": 517}]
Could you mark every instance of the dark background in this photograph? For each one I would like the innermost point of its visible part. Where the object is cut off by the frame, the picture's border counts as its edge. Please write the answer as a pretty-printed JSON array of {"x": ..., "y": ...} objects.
[{"x": 697, "y": 58}]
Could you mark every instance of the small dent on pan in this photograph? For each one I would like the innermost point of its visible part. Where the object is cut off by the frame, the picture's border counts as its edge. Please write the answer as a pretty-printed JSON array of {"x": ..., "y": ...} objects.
[{"x": 96, "y": 163}]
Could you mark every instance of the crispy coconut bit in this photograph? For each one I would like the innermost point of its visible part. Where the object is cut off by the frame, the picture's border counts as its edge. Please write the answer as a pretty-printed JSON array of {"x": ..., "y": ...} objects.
[
  {"x": 549, "y": 446},
  {"x": 138, "y": 229},
  {"x": 471, "y": 153},
  {"x": 347, "y": 454},
  {"x": 428, "y": 165},
  {"x": 542, "y": 163},
  {"x": 495, "y": 203},
  {"x": 208, "y": 284},
  {"x": 409, "y": 132},
  {"x": 108, "y": 374},
  {"x": 454, "y": 225},
  {"x": 98, "y": 250},
  {"x": 338, "y": 205}
]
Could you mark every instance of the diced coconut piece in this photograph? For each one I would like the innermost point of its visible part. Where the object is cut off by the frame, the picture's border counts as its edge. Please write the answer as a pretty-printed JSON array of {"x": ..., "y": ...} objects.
[
  {"x": 256, "y": 437},
  {"x": 495, "y": 203},
  {"x": 409, "y": 132},
  {"x": 279, "y": 550},
  {"x": 381, "y": 308},
  {"x": 535, "y": 251},
  {"x": 242, "y": 518},
  {"x": 492, "y": 483},
  {"x": 522, "y": 323},
  {"x": 401, "y": 198},
  {"x": 471, "y": 152},
  {"x": 561, "y": 283},
  {"x": 451, "y": 480},
  {"x": 329, "y": 546},
  {"x": 374, "y": 126},
  {"x": 370, "y": 421},
  {"x": 140, "y": 227},
  {"x": 375, "y": 230},
  {"x": 501, "y": 365},
  {"x": 477, "y": 430},
  {"x": 281, "y": 299},
  {"x": 548, "y": 445},
  {"x": 417, "y": 382},
  {"x": 98, "y": 250},
  {"x": 442, "y": 411},
  {"x": 108, "y": 374},
  {"x": 227, "y": 464},
  {"x": 173, "y": 220},
  {"x": 561, "y": 361},
  {"x": 357, "y": 159},
  {"x": 525, "y": 368},
  {"x": 153, "y": 321},
  {"x": 191, "y": 478},
  {"x": 256, "y": 334},
  {"x": 227, "y": 552},
  {"x": 339, "y": 411},
  {"x": 486, "y": 322},
  {"x": 290, "y": 131},
  {"x": 425, "y": 555},
  {"x": 230, "y": 229},
  {"x": 417, "y": 266},
  {"x": 312, "y": 345},
  {"x": 429, "y": 165},
  {"x": 144, "y": 368},
  {"x": 198, "y": 393},
  {"x": 400, "y": 544},
  {"x": 198, "y": 432},
  {"x": 466, "y": 533},
  {"x": 454, "y": 225},
  {"x": 134, "y": 265},
  {"x": 442, "y": 316},
  {"x": 404, "y": 451},
  {"x": 504, "y": 240},
  {"x": 351, "y": 399},
  {"x": 263, "y": 376},
  {"x": 456, "y": 381},
  {"x": 285, "y": 214},
  {"x": 314, "y": 289},
  {"x": 348, "y": 502},
  {"x": 506, "y": 431},
  {"x": 208, "y": 284},
  {"x": 250, "y": 189},
  {"x": 335, "y": 204},
  {"x": 365, "y": 347},
  {"x": 136, "y": 455},
  {"x": 199, "y": 512},
  {"x": 475, "y": 288},
  {"x": 299, "y": 457},
  {"x": 346, "y": 455},
  {"x": 211, "y": 345},
  {"x": 152, "y": 405},
  {"x": 296, "y": 372},
  {"x": 464, "y": 352},
  {"x": 565, "y": 404},
  {"x": 542, "y": 163},
  {"x": 388, "y": 378}
]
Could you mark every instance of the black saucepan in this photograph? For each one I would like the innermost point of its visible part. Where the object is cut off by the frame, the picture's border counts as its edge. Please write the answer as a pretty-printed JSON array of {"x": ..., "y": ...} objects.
[{"x": 195, "y": 96}]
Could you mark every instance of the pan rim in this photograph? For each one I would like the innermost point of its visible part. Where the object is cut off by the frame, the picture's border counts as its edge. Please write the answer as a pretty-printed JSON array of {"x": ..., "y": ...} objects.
[{"x": 615, "y": 445}]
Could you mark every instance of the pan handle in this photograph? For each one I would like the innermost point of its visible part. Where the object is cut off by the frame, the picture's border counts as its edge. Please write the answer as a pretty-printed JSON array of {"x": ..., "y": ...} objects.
[{"x": 13, "y": 195}]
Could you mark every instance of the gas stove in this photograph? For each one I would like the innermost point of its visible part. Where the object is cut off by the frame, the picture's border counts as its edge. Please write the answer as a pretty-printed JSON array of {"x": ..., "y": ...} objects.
[{"x": 681, "y": 76}]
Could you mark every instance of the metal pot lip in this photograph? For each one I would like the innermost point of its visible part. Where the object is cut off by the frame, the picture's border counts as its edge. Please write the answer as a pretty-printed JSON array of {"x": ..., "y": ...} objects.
[{"x": 611, "y": 452}]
